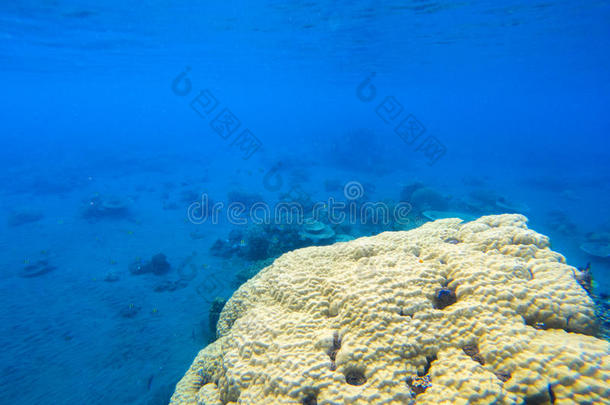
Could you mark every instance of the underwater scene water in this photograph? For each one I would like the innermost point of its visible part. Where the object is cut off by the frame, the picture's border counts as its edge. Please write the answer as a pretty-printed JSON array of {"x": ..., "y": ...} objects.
[{"x": 305, "y": 202}]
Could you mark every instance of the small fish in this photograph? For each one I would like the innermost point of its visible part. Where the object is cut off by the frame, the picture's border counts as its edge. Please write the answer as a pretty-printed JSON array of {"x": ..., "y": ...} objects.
[
  {"x": 242, "y": 242},
  {"x": 155, "y": 310}
]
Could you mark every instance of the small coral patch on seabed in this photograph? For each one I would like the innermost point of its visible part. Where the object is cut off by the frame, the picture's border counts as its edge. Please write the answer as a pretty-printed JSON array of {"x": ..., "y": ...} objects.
[
  {"x": 37, "y": 269},
  {"x": 409, "y": 316}
]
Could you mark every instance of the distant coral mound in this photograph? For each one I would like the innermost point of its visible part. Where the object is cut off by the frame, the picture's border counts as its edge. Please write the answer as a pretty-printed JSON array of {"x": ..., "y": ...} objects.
[
  {"x": 18, "y": 218},
  {"x": 451, "y": 313}
]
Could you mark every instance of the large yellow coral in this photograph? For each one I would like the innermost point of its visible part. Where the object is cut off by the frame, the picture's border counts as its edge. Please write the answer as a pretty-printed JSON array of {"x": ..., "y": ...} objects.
[{"x": 360, "y": 322}]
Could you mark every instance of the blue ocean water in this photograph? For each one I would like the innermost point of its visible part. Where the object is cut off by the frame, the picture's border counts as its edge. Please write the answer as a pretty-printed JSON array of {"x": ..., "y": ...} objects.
[{"x": 138, "y": 140}]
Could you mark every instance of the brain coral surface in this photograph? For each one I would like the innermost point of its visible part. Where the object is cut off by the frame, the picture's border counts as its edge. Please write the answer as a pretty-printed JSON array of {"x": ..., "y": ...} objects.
[{"x": 481, "y": 312}]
